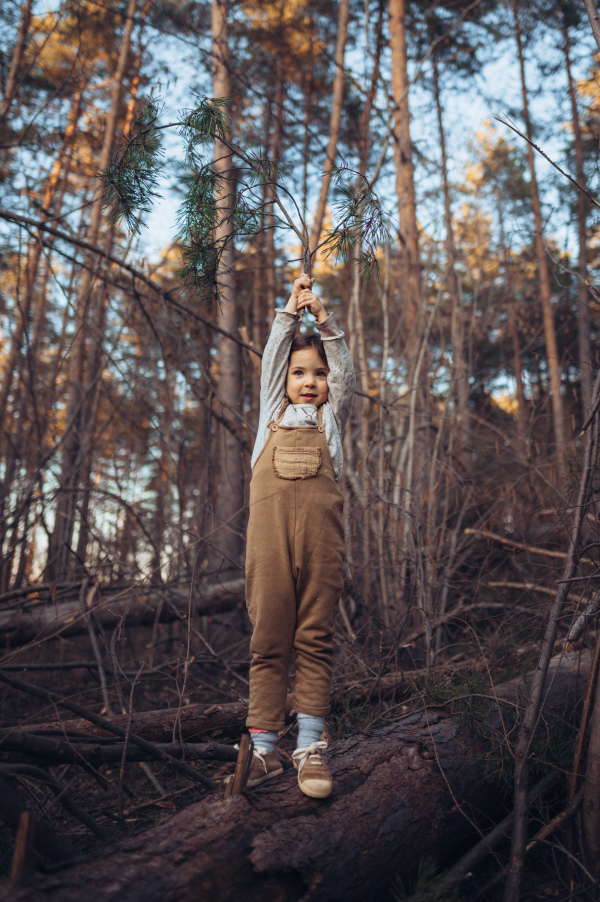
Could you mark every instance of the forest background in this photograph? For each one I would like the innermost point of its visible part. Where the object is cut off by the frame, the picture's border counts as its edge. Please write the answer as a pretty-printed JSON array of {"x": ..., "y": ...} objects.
[{"x": 129, "y": 395}]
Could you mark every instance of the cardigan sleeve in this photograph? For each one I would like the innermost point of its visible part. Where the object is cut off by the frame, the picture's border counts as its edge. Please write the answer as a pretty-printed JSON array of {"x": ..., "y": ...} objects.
[
  {"x": 341, "y": 379},
  {"x": 275, "y": 359}
]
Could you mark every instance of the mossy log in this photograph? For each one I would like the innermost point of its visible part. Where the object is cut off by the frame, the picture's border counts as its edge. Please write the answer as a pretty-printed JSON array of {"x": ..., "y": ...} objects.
[{"x": 412, "y": 789}]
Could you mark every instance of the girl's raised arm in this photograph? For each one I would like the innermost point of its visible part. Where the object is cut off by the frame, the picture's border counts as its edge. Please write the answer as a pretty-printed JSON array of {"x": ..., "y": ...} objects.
[{"x": 341, "y": 379}]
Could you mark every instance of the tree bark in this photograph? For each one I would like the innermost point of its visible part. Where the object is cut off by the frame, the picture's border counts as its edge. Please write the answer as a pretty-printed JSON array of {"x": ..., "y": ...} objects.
[
  {"x": 403, "y": 158},
  {"x": 49, "y": 752},
  {"x": 334, "y": 121},
  {"x": 42, "y": 621},
  {"x": 16, "y": 60},
  {"x": 59, "y": 545},
  {"x": 583, "y": 296},
  {"x": 592, "y": 12},
  {"x": 459, "y": 363},
  {"x": 192, "y": 723},
  {"x": 411, "y": 789},
  {"x": 18, "y": 400},
  {"x": 227, "y": 535},
  {"x": 552, "y": 354}
]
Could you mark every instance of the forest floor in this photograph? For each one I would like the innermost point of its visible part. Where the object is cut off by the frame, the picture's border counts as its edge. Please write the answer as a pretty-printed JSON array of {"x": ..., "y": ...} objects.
[{"x": 371, "y": 690}]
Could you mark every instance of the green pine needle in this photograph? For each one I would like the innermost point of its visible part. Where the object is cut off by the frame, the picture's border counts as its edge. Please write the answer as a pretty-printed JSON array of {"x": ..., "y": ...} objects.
[
  {"x": 203, "y": 124},
  {"x": 130, "y": 178},
  {"x": 360, "y": 222}
]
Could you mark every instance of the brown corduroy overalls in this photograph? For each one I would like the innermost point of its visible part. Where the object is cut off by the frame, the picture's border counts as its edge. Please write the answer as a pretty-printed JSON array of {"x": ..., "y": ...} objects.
[{"x": 294, "y": 557}]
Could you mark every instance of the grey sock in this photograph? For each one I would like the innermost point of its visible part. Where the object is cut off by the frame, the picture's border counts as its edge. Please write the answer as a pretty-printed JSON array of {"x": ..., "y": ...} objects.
[
  {"x": 309, "y": 729},
  {"x": 266, "y": 741}
]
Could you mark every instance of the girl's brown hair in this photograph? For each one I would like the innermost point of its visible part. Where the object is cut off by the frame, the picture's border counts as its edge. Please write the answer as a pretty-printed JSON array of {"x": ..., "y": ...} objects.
[{"x": 313, "y": 340}]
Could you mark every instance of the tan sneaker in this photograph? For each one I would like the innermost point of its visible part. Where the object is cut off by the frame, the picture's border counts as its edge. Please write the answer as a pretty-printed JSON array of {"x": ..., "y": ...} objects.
[
  {"x": 314, "y": 777},
  {"x": 264, "y": 766}
]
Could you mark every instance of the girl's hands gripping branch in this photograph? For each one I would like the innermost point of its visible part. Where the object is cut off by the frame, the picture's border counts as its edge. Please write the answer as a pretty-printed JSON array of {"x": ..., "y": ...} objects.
[
  {"x": 302, "y": 298},
  {"x": 309, "y": 301}
]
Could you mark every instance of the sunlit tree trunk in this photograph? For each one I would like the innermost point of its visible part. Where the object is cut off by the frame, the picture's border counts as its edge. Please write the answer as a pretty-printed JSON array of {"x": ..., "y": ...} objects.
[
  {"x": 334, "y": 121},
  {"x": 270, "y": 280},
  {"x": 33, "y": 259},
  {"x": 552, "y": 355},
  {"x": 59, "y": 546},
  {"x": 20, "y": 397},
  {"x": 459, "y": 364},
  {"x": 403, "y": 158},
  {"x": 358, "y": 348},
  {"x": 229, "y": 519},
  {"x": 412, "y": 485},
  {"x": 583, "y": 295},
  {"x": 12, "y": 81},
  {"x": 93, "y": 384}
]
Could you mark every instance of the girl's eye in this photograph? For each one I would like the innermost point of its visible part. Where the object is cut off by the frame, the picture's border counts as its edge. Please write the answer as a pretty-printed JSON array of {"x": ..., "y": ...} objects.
[
  {"x": 322, "y": 373},
  {"x": 298, "y": 373}
]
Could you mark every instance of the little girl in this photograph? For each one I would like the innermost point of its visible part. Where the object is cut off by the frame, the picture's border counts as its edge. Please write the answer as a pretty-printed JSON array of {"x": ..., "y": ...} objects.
[{"x": 295, "y": 546}]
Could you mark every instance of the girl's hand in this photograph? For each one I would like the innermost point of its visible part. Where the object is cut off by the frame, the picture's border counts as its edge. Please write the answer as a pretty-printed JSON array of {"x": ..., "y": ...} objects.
[
  {"x": 302, "y": 282},
  {"x": 309, "y": 301}
]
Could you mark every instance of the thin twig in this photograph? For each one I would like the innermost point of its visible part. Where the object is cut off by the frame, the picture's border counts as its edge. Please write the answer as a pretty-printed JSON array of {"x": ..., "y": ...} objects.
[
  {"x": 104, "y": 724},
  {"x": 59, "y": 791},
  {"x": 509, "y": 124},
  {"x": 126, "y": 742}
]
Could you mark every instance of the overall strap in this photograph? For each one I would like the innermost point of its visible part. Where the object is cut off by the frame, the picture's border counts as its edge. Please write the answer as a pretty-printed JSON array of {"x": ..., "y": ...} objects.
[
  {"x": 282, "y": 410},
  {"x": 320, "y": 426},
  {"x": 272, "y": 426}
]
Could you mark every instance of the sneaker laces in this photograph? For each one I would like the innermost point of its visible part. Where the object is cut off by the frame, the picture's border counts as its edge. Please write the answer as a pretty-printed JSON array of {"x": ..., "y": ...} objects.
[
  {"x": 312, "y": 753},
  {"x": 260, "y": 752}
]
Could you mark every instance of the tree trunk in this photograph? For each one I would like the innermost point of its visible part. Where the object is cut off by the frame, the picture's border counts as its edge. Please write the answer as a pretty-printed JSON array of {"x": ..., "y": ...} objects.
[
  {"x": 459, "y": 364},
  {"x": 592, "y": 12},
  {"x": 59, "y": 545},
  {"x": 409, "y": 790},
  {"x": 552, "y": 355},
  {"x": 227, "y": 535},
  {"x": 34, "y": 255},
  {"x": 40, "y": 621},
  {"x": 16, "y": 60},
  {"x": 17, "y": 402},
  {"x": 89, "y": 411},
  {"x": 583, "y": 296},
  {"x": 193, "y": 722},
  {"x": 403, "y": 158},
  {"x": 334, "y": 121}
]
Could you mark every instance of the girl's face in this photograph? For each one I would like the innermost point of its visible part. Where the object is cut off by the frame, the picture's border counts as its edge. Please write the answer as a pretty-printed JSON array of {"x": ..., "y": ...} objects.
[{"x": 307, "y": 378}]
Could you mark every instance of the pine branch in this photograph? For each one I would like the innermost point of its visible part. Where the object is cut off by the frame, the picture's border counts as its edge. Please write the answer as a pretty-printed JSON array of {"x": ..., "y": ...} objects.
[
  {"x": 131, "y": 176},
  {"x": 130, "y": 187},
  {"x": 360, "y": 222}
]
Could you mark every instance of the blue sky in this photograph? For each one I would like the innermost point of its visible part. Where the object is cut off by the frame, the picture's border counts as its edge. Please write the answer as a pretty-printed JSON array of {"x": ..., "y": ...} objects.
[{"x": 467, "y": 106}]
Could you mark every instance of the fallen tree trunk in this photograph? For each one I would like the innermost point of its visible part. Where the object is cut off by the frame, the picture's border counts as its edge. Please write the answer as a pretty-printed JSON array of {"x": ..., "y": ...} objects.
[
  {"x": 24, "y": 746},
  {"x": 43, "y": 620},
  {"x": 411, "y": 789},
  {"x": 191, "y": 722},
  {"x": 198, "y": 721}
]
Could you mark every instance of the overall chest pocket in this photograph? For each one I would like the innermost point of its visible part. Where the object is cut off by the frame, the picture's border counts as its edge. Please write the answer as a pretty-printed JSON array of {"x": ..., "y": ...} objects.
[{"x": 296, "y": 463}]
